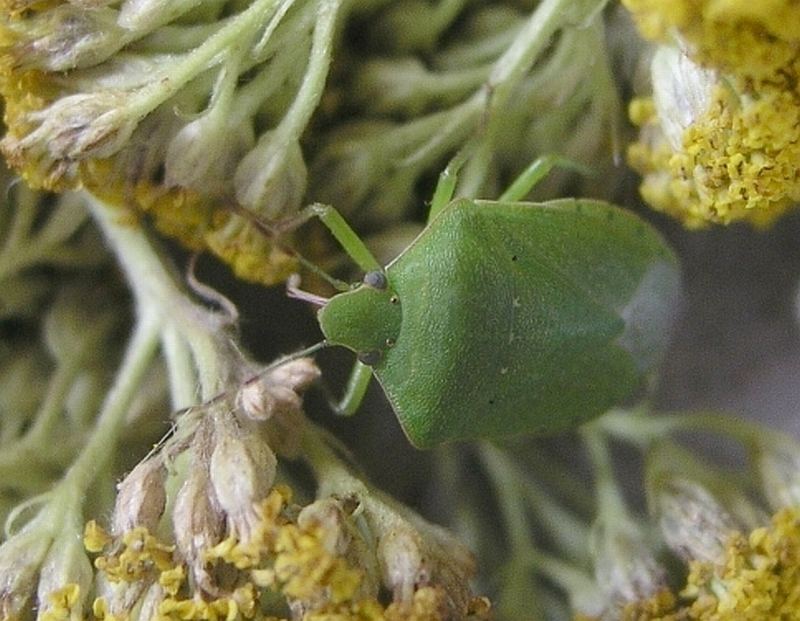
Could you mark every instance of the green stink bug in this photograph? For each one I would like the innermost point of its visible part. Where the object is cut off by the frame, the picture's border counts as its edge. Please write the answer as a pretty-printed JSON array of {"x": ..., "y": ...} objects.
[{"x": 506, "y": 317}]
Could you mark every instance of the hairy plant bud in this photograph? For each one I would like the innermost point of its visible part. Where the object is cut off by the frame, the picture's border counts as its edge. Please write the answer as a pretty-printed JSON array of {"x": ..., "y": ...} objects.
[
  {"x": 242, "y": 471},
  {"x": 141, "y": 498}
]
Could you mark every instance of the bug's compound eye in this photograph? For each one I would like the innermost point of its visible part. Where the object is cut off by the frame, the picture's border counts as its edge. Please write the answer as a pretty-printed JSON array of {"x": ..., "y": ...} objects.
[
  {"x": 376, "y": 279},
  {"x": 370, "y": 358}
]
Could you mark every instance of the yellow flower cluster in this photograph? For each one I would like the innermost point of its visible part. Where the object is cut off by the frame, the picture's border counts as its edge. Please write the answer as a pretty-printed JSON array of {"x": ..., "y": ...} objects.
[
  {"x": 197, "y": 221},
  {"x": 141, "y": 554},
  {"x": 740, "y": 37},
  {"x": 758, "y": 579},
  {"x": 736, "y": 157},
  {"x": 59, "y": 138},
  {"x": 280, "y": 557},
  {"x": 737, "y": 162}
]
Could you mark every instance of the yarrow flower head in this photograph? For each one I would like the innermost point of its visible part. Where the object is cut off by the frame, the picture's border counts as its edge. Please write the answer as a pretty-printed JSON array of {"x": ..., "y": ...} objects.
[
  {"x": 716, "y": 546},
  {"x": 315, "y": 557},
  {"x": 148, "y": 108},
  {"x": 747, "y": 39},
  {"x": 742, "y": 564},
  {"x": 720, "y": 136},
  {"x": 220, "y": 539}
]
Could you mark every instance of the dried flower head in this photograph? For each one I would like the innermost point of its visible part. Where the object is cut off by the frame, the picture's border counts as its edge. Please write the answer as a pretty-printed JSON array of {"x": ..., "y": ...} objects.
[{"x": 174, "y": 126}]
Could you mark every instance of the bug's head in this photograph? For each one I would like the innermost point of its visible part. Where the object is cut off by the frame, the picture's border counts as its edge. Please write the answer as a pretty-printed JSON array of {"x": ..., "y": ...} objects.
[{"x": 366, "y": 319}]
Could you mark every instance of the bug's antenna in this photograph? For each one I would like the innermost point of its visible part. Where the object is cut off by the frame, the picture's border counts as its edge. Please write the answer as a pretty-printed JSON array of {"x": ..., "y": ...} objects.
[
  {"x": 311, "y": 349},
  {"x": 251, "y": 380},
  {"x": 294, "y": 291},
  {"x": 274, "y": 233}
]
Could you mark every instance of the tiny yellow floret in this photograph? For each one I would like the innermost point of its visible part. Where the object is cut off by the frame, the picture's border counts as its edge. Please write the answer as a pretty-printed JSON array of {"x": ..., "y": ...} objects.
[
  {"x": 95, "y": 538},
  {"x": 64, "y": 604}
]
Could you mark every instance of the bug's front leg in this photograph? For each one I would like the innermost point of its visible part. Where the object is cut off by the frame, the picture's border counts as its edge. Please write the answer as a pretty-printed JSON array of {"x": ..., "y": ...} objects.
[
  {"x": 354, "y": 393},
  {"x": 348, "y": 239}
]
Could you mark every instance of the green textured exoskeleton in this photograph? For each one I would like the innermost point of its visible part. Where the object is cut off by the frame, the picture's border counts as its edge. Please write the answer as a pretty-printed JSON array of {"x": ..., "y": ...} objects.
[{"x": 506, "y": 318}]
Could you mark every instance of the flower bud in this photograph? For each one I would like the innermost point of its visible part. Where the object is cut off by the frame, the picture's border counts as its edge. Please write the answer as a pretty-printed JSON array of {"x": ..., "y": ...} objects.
[
  {"x": 325, "y": 516},
  {"x": 261, "y": 400},
  {"x": 66, "y": 577},
  {"x": 85, "y": 125},
  {"x": 271, "y": 178},
  {"x": 198, "y": 523},
  {"x": 275, "y": 397},
  {"x": 414, "y": 554},
  {"x": 76, "y": 127},
  {"x": 21, "y": 556},
  {"x": 146, "y": 15},
  {"x": 255, "y": 401},
  {"x": 242, "y": 471},
  {"x": 404, "y": 566},
  {"x": 297, "y": 375},
  {"x": 141, "y": 498},
  {"x": 334, "y": 522},
  {"x": 116, "y": 598},
  {"x": 203, "y": 155},
  {"x": 150, "y": 601},
  {"x": 67, "y": 37},
  {"x": 277, "y": 392}
]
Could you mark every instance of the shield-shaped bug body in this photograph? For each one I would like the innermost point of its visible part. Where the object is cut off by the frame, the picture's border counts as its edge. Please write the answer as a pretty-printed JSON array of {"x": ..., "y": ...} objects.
[{"x": 506, "y": 318}]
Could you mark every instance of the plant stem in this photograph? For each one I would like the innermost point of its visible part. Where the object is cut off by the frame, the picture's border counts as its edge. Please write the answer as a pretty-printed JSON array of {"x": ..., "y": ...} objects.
[
  {"x": 510, "y": 499},
  {"x": 98, "y": 450},
  {"x": 643, "y": 428},
  {"x": 155, "y": 289}
]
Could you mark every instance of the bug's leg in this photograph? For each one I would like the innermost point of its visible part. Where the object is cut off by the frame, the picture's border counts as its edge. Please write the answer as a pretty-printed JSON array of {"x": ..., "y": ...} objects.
[
  {"x": 356, "y": 389},
  {"x": 446, "y": 186},
  {"x": 348, "y": 239},
  {"x": 535, "y": 173}
]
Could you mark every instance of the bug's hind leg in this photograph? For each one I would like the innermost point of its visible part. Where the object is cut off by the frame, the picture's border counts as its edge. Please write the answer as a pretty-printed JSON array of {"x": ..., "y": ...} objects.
[
  {"x": 537, "y": 171},
  {"x": 446, "y": 186}
]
